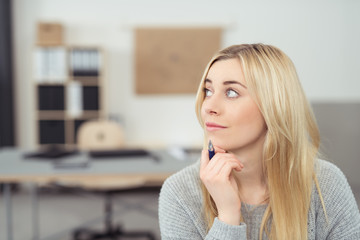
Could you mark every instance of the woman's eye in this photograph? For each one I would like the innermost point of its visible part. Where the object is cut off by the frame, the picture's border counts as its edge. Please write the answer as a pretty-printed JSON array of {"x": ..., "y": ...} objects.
[
  {"x": 231, "y": 93},
  {"x": 208, "y": 93}
]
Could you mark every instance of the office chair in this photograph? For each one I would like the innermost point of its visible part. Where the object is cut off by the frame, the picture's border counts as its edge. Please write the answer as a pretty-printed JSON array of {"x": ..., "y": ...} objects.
[
  {"x": 106, "y": 135},
  {"x": 100, "y": 135}
]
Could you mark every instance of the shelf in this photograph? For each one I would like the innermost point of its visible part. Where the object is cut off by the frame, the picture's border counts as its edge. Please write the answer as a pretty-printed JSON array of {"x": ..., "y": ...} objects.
[
  {"x": 60, "y": 100},
  {"x": 49, "y": 115},
  {"x": 85, "y": 115},
  {"x": 50, "y": 83},
  {"x": 87, "y": 80}
]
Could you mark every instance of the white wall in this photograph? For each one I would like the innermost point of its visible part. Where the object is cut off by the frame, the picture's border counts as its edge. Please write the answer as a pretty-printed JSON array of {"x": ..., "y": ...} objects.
[{"x": 321, "y": 37}]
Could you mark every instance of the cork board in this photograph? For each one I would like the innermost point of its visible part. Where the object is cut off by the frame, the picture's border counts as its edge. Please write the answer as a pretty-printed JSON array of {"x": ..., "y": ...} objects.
[{"x": 172, "y": 60}]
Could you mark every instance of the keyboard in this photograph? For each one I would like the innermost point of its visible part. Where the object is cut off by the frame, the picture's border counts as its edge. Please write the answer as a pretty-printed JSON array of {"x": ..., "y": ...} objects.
[
  {"x": 120, "y": 153},
  {"x": 51, "y": 154}
]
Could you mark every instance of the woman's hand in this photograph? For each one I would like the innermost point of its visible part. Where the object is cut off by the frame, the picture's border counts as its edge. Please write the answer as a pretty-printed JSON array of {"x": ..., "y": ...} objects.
[{"x": 216, "y": 174}]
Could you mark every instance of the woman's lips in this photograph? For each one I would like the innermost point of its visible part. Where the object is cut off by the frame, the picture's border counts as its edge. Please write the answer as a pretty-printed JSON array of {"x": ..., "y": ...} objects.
[{"x": 213, "y": 126}]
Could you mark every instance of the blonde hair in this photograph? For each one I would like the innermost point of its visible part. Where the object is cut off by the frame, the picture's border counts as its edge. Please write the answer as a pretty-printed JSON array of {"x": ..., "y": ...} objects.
[{"x": 292, "y": 139}]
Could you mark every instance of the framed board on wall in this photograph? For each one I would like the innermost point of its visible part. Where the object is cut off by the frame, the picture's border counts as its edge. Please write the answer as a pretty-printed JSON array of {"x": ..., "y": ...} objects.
[{"x": 172, "y": 60}]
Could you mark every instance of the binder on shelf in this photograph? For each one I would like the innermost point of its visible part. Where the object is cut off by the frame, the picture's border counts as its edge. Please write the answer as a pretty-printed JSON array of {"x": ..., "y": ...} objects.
[
  {"x": 40, "y": 65},
  {"x": 75, "y": 99},
  {"x": 50, "y": 64},
  {"x": 57, "y": 66},
  {"x": 95, "y": 62},
  {"x": 85, "y": 62}
]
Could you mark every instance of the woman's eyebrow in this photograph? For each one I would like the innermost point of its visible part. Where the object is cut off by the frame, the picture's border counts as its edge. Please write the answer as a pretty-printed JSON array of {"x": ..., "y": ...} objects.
[
  {"x": 207, "y": 80},
  {"x": 227, "y": 82},
  {"x": 234, "y": 82}
]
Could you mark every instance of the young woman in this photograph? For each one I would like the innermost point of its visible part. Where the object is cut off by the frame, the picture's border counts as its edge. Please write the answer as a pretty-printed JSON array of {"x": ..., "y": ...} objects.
[{"x": 265, "y": 180}]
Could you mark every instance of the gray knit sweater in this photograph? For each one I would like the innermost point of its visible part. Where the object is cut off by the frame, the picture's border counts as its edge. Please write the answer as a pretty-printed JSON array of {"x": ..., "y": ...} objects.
[{"x": 181, "y": 215}]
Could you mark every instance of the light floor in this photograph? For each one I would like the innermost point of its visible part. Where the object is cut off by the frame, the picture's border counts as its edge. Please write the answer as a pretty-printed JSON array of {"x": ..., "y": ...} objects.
[{"x": 62, "y": 212}]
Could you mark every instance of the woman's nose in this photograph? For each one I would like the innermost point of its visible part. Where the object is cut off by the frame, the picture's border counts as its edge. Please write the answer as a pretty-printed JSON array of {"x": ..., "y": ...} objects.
[
  {"x": 212, "y": 112},
  {"x": 212, "y": 107}
]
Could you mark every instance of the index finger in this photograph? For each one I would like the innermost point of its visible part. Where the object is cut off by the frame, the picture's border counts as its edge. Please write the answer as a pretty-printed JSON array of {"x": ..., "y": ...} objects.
[
  {"x": 218, "y": 149},
  {"x": 204, "y": 160}
]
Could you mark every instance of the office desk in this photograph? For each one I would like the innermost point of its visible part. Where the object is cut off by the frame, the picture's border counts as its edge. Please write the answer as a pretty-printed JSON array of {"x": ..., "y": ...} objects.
[{"x": 103, "y": 173}]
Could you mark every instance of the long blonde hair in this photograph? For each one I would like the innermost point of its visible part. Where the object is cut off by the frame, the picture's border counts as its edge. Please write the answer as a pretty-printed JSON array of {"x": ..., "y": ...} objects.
[{"x": 292, "y": 139}]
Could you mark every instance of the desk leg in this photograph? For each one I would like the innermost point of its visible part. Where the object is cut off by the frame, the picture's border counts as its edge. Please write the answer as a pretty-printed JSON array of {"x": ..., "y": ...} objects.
[
  {"x": 8, "y": 207},
  {"x": 108, "y": 213},
  {"x": 35, "y": 211}
]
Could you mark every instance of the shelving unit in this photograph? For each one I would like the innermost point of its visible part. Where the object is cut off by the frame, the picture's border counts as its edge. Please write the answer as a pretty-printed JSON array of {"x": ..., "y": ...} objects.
[{"x": 69, "y": 90}]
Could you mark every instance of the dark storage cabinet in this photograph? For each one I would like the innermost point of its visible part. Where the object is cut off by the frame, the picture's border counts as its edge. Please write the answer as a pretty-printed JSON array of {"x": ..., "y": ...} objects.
[
  {"x": 51, "y": 98},
  {"x": 52, "y": 131},
  {"x": 91, "y": 98}
]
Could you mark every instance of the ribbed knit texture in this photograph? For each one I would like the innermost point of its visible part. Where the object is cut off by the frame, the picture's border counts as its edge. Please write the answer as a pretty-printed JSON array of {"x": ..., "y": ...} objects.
[{"x": 181, "y": 209}]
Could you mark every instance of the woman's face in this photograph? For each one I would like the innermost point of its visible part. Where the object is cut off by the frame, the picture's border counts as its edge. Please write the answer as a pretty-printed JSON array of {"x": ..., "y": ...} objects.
[{"x": 232, "y": 120}]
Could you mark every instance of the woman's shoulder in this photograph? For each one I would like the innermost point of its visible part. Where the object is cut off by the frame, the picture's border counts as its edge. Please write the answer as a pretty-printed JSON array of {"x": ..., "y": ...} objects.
[
  {"x": 328, "y": 173},
  {"x": 184, "y": 182},
  {"x": 342, "y": 214},
  {"x": 180, "y": 204},
  {"x": 331, "y": 179}
]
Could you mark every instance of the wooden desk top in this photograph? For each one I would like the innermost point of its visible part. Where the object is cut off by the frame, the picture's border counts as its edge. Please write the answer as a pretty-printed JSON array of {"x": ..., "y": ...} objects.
[{"x": 109, "y": 173}]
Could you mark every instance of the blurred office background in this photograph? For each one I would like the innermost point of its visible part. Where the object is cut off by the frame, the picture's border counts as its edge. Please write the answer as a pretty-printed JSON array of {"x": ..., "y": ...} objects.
[{"x": 321, "y": 37}]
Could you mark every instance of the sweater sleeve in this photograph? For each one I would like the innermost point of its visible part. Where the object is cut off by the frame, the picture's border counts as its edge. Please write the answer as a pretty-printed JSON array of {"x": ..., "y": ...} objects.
[
  {"x": 221, "y": 230},
  {"x": 340, "y": 205},
  {"x": 180, "y": 215}
]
